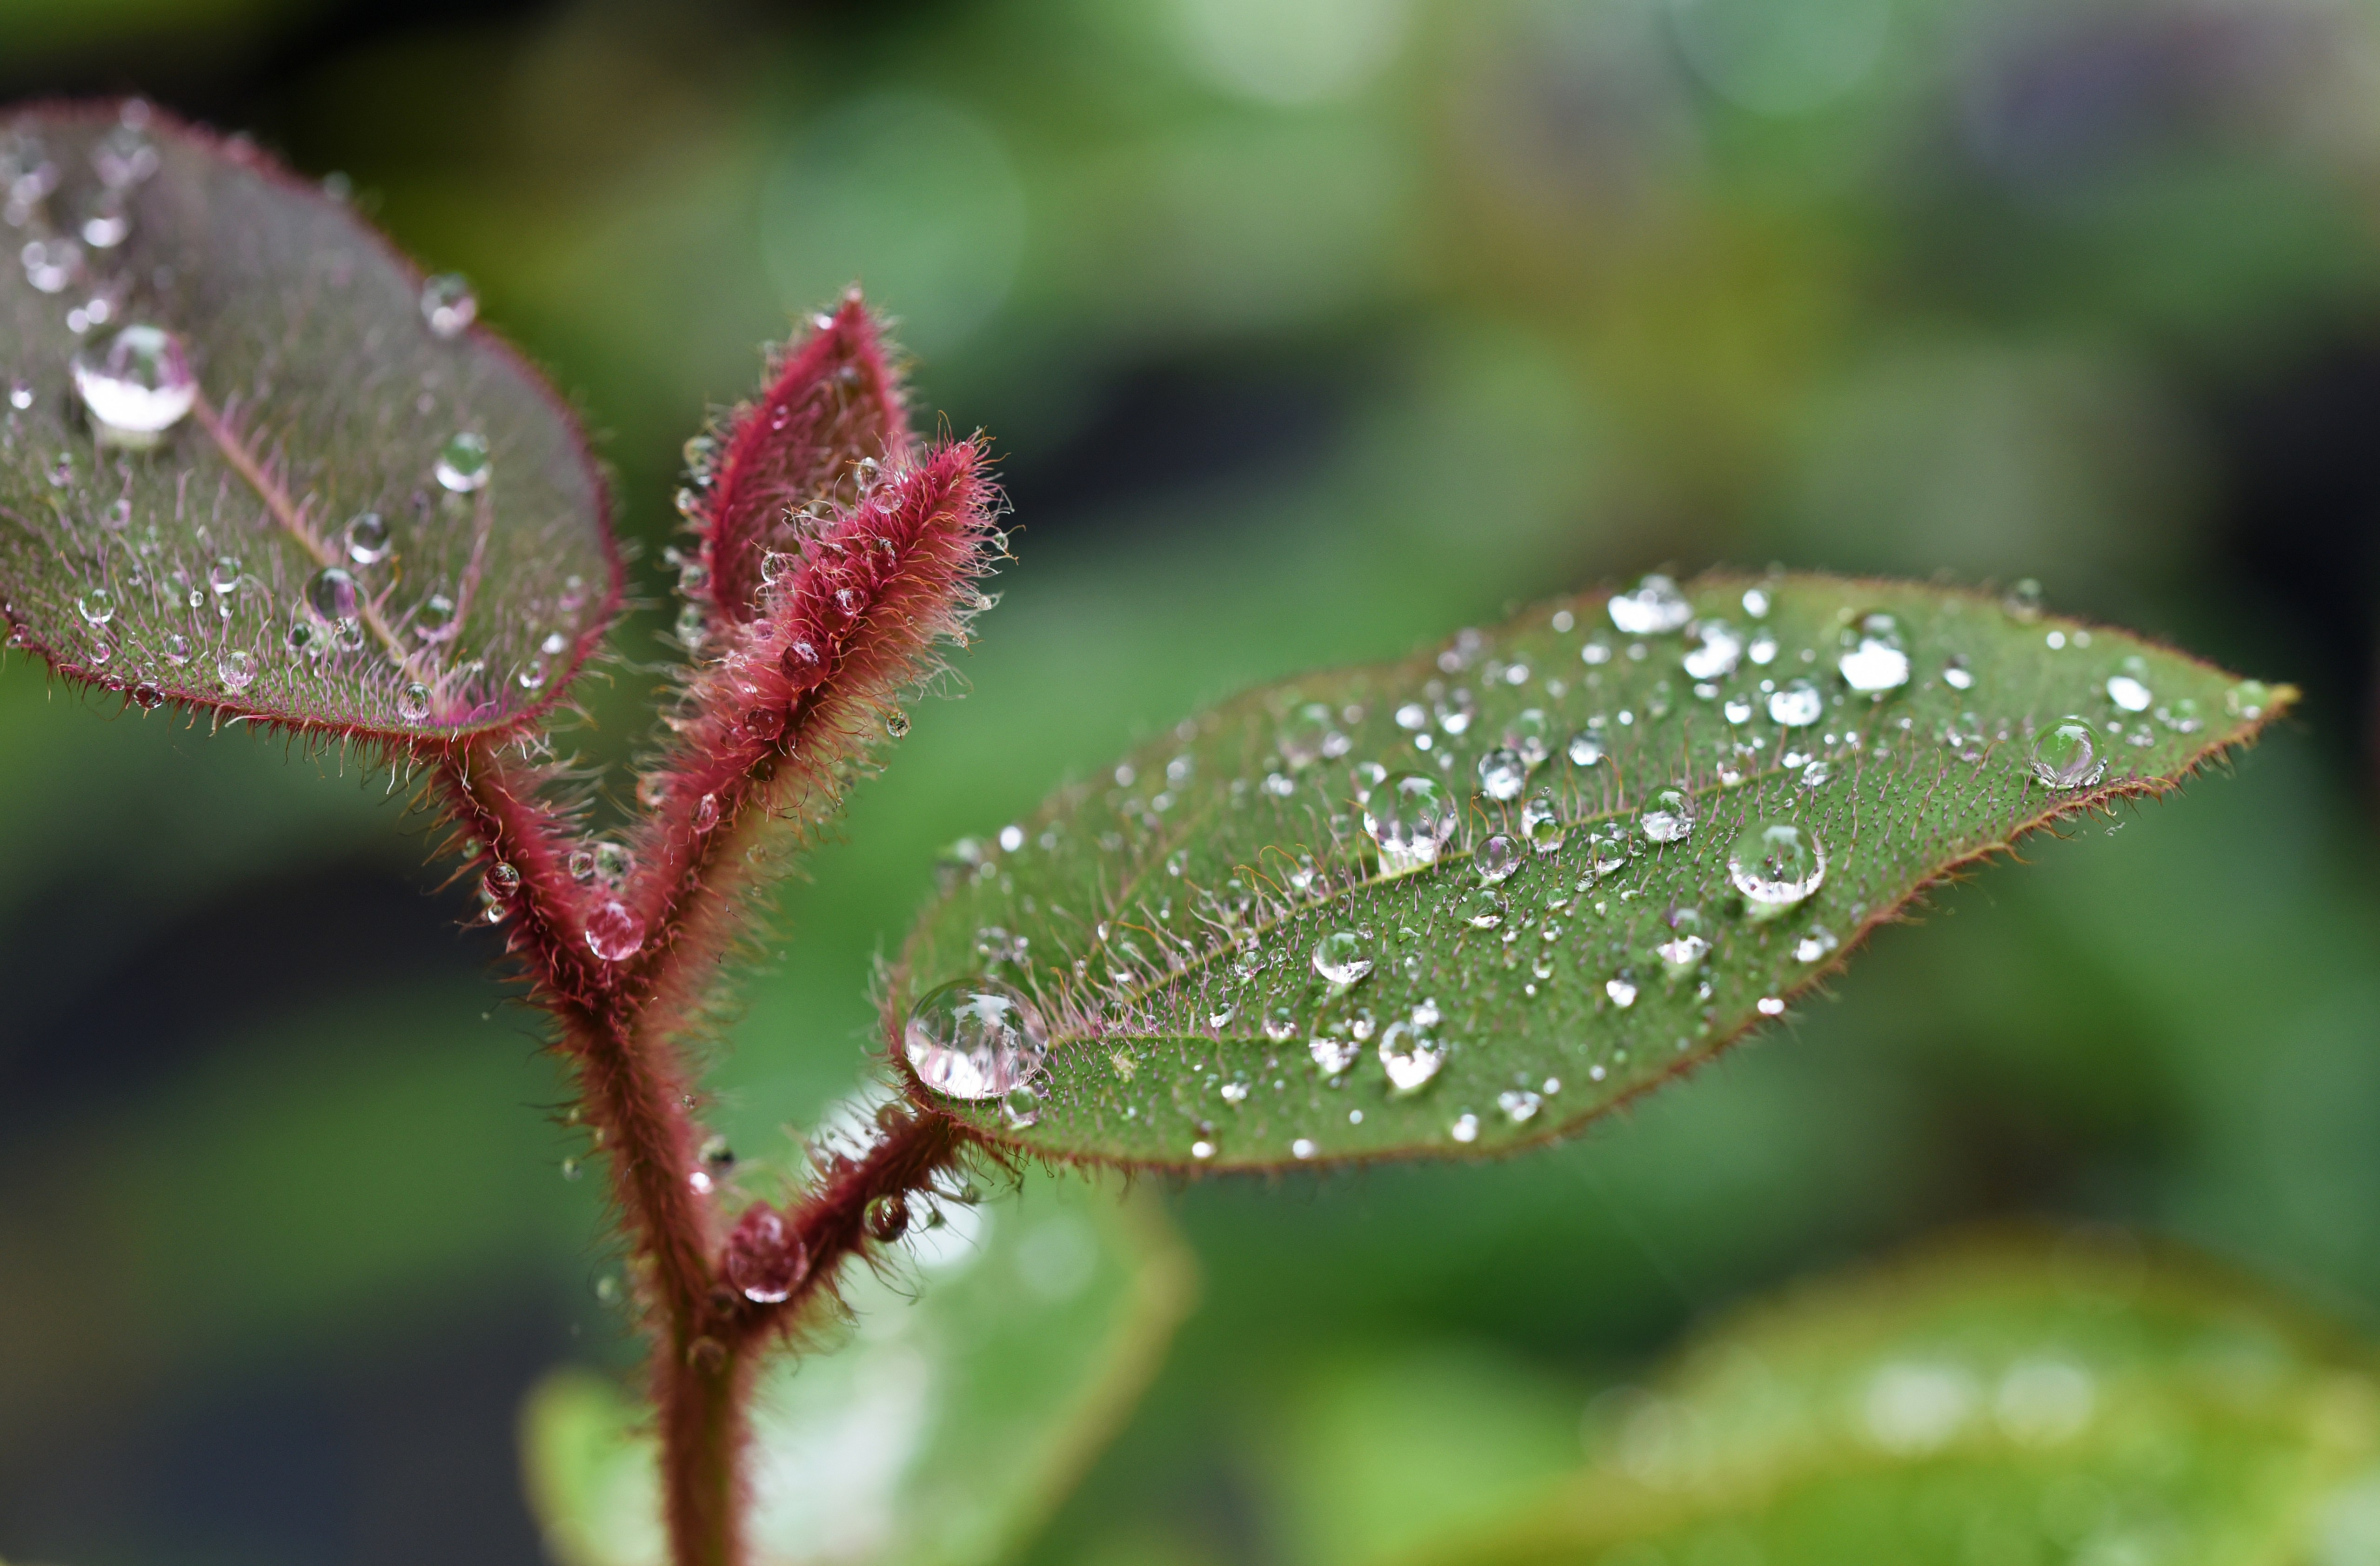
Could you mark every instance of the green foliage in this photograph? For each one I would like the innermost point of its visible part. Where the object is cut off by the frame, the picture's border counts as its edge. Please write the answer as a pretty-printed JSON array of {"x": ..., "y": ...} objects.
[
  {"x": 1478, "y": 896},
  {"x": 982, "y": 1373},
  {"x": 2016, "y": 1400},
  {"x": 251, "y": 461}
]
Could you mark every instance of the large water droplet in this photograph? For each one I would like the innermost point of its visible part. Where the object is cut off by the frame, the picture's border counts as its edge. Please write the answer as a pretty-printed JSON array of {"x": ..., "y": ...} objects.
[
  {"x": 1410, "y": 1057},
  {"x": 1669, "y": 816},
  {"x": 137, "y": 388},
  {"x": 1716, "y": 650},
  {"x": 1796, "y": 704},
  {"x": 1498, "y": 857},
  {"x": 615, "y": 933},
  {"x": 1585, "y": 748},
  {"x": 413, "y": 703},
  {"x": 237, "y": 670},
  {"x": 98, "y": 606},
  {"x": 1483, "y": 907},
  {"x": 1541, "y": 823},
  {"x": 1655, "y": 608},
  {"x": 464, "y": 464},
  {"x": 974, "y": 1039},
  {"x": 1340, "y": 957},
  {"x": 434, "y": 621},
  {"x": 330, "y": 594},
  {"x": 448, "y": 304},
  {"x": 1409, "y": 815},
  {"x": 1502, "y": 774},
  {"x": 1621, "y": 990},
  {"x": 2067, "y": 756},
  {"x": 368, "y": 539},
  {"x": 1530, "y": 736},
  {"x": 1874, "y": 661},
  {"x": 2248, "y": 698},
  {"x": 2022, "y": 602},
  {"x": 1775, "y": 864}
]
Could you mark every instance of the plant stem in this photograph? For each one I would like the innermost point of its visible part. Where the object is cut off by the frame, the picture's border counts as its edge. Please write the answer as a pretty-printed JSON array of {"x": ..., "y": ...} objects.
[{"x": 703, "y": 1386}]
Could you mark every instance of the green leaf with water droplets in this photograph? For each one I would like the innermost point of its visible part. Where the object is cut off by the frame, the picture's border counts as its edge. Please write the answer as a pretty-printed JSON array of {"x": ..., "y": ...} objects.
[
  {"x": 2022, "y": 1399},
  {"x": 980, "y": 1378},
  {"x": 249, "y": 459},
  {"x": 1468, "y": 901}
]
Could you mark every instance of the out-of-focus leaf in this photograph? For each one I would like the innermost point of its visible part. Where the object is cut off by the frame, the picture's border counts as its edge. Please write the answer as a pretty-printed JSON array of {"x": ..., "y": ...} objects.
[
  {"x": 251, "y": 460},
  {"x": 942, "y": 1432},
  {"x": 2015, "y": 1399},
  {"x": 1475, "y": 898}
]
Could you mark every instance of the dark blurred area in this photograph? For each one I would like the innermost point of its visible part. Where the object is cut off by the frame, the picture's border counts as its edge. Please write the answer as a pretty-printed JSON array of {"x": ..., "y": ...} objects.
[{"x": 1306, "y": 330}]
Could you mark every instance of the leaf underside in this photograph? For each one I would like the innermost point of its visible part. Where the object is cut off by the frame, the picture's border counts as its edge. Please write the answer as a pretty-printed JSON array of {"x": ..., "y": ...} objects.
[
  {"x": 2052, "y": 1402},
  {"x": 1163, "y": 920},
  {"x": 324, "y": 393},
  {"x": 941, "y": 1434}
]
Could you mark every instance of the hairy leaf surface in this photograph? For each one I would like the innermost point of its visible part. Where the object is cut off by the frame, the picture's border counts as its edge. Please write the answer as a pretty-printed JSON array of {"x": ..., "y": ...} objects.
[
  {"x": 247, "y": 462},
  {"x": 973, "y": 1393},
  {"x": 2018, "y": 1401},
  {"x": 1207, "y": 958}
]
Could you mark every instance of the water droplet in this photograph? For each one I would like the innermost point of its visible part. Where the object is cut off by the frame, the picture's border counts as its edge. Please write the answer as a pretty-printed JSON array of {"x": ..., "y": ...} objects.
[
  {"x": 448, "y": 304},
  {"x": 1340, "y": 958},
  {"x": 330, "y": 594},
  {"x": 20, "y": 396},
  {"x": 1957, "y": 674},
  {"x": 50, "y": 265},
  {"x": 178, "y": 649},
  {"x": 1623, "y": 992},
  {"x": 1716, "y": 652},
  {"x": 706, "y": 812},
  {"x": 222, "y": 576},
  {"x": 1021, "y": 1106},
  {"x": 1541, "y": 823},
  {"x": 1409, "y": 815},
  {"x": 2129, "y": 694},
  {"x": 1874, "y": 662},
  {"x": 1502, "y": 774},
  {"x": 1519, "y": 1104},
  {"x": 1529, "y": 734},
  {"x": 413, "y": 703},
  {"x": 1303, "y": 1148},
  {"x": 896, "y": 723},
  {"x": 368, "y": 539},
  {"x": 1308, "y": 735},
  {"x": 1456, "y": 714},
  {"x": 974, "y": 1039},
  {"x": 2067, "y": 756},
  {"x": 1775, "y": 864},
  {"x": 138, "y": 388},
  {"x": 98, "y": 606},
  {"x": 1655, "y": 608},
  {"x": 118, "y": 515},
  {"x": 1670, "y": 817},
  {"x": 1410, "y": 1057},
  {"x": 237, "y": 670},
  {"x": 1682, "y": 955},
  {"x": 613, "y": 933},
  {"x": 1465, "y": 1128},
  {"x": 2248, "y": 700},
  {"x": 1814, "y": 945},
  {"x": 1755, "y": 603},
  {"x": 434, "y": 621},
  {"x": 1483, "y": 907},
  {"x": 1796, "y": 704},
  {"x": 1498, "y": 857},
  {"x": 1585, "y": 748},
  {"x": 571, "y": 1170},
  {"x": 1333, "y": 1055},
  {"x": 2022, "y": 602},
  {"x": 1771, "y": 1006},
  {"x": 464, "y": 464}
]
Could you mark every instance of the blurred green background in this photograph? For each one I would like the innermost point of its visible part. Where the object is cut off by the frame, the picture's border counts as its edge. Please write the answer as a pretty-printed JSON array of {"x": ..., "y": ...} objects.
[{"x": 1306, "y": 330}]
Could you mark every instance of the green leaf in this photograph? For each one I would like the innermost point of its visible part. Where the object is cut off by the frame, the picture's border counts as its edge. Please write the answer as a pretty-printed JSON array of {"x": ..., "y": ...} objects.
[
  {"x": 251, "y": 461},
  {"x": 1207, "y": 957},
  {"x": 942, "y": 1432},
  {"x": 2015, "y": 1399}
]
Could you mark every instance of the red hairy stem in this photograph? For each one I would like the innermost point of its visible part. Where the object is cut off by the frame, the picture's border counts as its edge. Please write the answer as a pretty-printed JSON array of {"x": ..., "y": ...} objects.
[{"x": 835, "y": 555}]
